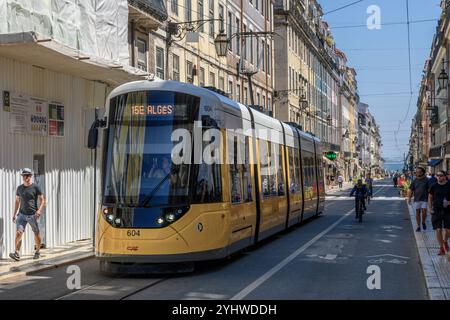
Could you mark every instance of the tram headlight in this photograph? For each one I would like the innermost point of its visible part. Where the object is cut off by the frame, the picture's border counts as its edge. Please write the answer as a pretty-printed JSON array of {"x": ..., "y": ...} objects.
[
  {"x": 109, "y": 215},
  {"x": 170, "y": 217}
]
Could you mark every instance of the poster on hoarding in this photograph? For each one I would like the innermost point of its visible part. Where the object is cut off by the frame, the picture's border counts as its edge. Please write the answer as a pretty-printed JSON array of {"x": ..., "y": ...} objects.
[
  {"x": 19, "y": 116},
  {"x": 56, "y": 120},
  {"x": 28, "y": 115},
  {"x": 6, "y": 101},
  {"x": 38, "y": 117}
]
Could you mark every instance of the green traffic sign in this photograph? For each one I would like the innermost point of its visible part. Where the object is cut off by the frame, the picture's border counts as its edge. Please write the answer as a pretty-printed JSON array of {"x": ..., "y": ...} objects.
[{"x": 331, "y": 155}]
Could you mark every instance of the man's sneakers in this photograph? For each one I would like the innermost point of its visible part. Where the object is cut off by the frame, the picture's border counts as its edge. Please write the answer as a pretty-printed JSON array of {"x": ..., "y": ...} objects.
[
  {"x": 418, "y": 229},
  {"x": 15, "y": 256},
  {"x": 424, "y": 226}
]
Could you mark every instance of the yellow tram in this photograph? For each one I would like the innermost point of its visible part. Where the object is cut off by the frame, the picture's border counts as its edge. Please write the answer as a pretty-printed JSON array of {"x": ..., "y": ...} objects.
[{"x": 190, "y": 175}]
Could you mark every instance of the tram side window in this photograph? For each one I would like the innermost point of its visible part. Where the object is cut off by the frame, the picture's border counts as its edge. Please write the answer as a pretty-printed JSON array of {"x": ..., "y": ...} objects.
[
  {"x": 240, "y": 175},
  {"x": 273, "y": 168},
  {"x": 235, "y": 175},
  {"x": 207, "y": 187},
  {"x": 264, "y": 167},
  {"x": 280, "y": 179},
  {"x": 297, "y": 170},
  {"x": 291, "y": 169},
  {"x": 308, "y": 168},
  {"x": 294, "y": 170},
  {"x": 247, "y": 175}
]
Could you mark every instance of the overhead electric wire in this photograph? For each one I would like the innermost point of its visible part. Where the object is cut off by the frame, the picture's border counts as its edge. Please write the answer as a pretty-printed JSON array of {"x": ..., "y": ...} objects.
[
  {"x": 410, "y": 73},
  {"x": 385, "y": 24},
  {"x": 343, "y": 7}
]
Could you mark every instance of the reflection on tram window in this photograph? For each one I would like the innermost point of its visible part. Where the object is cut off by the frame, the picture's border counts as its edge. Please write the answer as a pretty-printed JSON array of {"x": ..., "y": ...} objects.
[
  {"x": 272, "y": 183},
  {"x": 308, "y": 169},
  {"x": 207, "y": 185},
  {"x": 280, "y": 176},
  {"x": 297, "y": 170},
  {"x": 264, "y": 167},
  {"x": 240, "y": 178},
  {"x": 294, "y": 170}
]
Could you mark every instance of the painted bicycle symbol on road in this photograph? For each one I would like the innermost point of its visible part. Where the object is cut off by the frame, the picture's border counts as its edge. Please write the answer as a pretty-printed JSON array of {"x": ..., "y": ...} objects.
[{"x": 387, "y": 258}]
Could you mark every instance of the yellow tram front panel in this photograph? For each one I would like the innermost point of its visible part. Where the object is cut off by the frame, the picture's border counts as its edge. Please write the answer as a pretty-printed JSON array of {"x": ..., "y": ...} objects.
[{"x": 202, "y": 228}]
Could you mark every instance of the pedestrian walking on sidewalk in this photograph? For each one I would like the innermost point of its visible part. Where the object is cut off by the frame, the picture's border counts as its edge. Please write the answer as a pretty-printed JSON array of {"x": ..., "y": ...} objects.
[
  {"x": 419, "y": 188},
  {"x": 440, "y": 210},
  {"x": 340, "y": 181},
  {"x": 432, "y": 179},
  {"x": 27, "y": 196}
]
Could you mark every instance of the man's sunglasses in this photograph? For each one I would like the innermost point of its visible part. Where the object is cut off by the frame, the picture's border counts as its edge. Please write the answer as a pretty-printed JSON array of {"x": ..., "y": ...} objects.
[
  {"x": 440, "y": 175},
  {"x": 26, "y": 175}
]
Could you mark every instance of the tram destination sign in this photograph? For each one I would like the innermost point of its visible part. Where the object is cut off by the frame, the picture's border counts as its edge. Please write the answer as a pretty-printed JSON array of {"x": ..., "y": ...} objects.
[{"x": 152, "y": 110}]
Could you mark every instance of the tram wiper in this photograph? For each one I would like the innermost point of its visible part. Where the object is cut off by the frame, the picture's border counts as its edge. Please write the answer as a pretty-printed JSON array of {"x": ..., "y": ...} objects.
[{"x": 150, "y": 196}]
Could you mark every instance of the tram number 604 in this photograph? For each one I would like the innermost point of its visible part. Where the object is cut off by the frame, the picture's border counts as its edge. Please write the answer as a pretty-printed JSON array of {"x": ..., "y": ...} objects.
[{"x": 133, "y": 233}]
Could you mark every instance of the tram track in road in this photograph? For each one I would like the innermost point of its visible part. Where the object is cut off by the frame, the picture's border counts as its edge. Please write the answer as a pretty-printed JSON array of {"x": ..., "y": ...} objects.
[{"x": 109, "y": 286}]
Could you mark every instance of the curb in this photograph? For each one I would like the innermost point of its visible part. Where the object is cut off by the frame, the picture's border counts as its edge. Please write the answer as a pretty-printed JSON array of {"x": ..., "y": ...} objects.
[
  {"x": 46, "y": 265},
  {"x": 435, "y": 291}
]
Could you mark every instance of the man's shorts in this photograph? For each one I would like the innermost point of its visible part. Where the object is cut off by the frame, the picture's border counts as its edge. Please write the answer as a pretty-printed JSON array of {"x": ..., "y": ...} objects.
[
  {"x": 22, "y": 221},
  {"x": 440, "y": 219},
  {"x": 420, "y": 205}
]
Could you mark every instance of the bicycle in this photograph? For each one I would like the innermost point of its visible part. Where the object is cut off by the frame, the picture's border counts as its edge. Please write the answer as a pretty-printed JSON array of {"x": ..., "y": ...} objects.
[{"x": 359, "y": 208}]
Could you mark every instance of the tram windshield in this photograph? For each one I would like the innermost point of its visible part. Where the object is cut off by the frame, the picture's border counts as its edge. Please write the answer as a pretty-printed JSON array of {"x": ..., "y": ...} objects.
[{"x": 139, "y": 171}]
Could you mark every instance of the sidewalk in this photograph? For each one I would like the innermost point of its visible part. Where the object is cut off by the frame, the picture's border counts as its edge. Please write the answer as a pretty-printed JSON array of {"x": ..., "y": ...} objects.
[
  {"x": 435, "y": 268},
  {"x": 50, "y": 258},
  {"x": 335, "y": 189}
]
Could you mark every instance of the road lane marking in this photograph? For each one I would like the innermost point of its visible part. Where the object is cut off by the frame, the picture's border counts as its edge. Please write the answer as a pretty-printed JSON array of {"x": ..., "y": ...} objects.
[{"x": 255, "y": 284}]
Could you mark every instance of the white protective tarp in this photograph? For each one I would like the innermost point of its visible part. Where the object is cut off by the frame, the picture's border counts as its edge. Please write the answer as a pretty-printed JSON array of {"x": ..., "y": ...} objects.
[
  {"x": 95, "y": 27},
  {"x": 41, "y": 17},
  {"x": 66, "y": 22},
  {"x": 122, "y": 23},
  {"x": 3, "y": 14},
  {"x": 107, "y": 36},
  {"x": 88, "y": 38}
]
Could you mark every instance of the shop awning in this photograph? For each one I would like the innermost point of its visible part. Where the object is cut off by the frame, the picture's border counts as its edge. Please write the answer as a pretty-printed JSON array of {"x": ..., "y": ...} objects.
[{"x": 434, "y": 162}]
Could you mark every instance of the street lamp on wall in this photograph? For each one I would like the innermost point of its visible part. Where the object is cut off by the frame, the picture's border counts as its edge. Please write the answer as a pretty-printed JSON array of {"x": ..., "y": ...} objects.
[
  {"x": 221, "y": 43},
  {"x": 443, "y": 77}
]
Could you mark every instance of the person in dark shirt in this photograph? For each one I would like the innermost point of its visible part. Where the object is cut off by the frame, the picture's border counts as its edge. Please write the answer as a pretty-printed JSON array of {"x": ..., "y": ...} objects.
[
  {"x": 360, "y": 190},
  {"x": 27, "y": 196},
  {"x": 419, "y": 189},
  {"x": 440, "y": 212},
  {"x": 433, "y": 179}
]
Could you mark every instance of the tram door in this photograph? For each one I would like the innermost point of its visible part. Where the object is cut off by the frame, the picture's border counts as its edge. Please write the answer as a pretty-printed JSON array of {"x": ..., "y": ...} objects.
[{"x": 39, "y": 179}]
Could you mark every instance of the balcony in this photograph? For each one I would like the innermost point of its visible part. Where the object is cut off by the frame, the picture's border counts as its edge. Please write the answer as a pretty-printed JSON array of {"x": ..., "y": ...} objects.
[
  {"x": 149, "y": 14},
  {"x": 434, "y": 118},
  {"x": 435, "y": 152}
]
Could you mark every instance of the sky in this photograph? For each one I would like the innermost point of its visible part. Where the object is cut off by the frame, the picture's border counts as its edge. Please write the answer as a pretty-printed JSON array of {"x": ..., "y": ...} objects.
[{"x": 381, "y": 60}]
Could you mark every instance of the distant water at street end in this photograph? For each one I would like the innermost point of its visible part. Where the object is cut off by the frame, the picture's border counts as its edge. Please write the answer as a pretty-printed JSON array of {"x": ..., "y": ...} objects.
[{"x": 393, "y": 166}]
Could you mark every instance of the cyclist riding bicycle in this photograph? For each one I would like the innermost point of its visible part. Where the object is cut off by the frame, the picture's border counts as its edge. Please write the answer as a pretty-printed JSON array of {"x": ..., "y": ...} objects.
[{"x": 360, "y": 190}]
